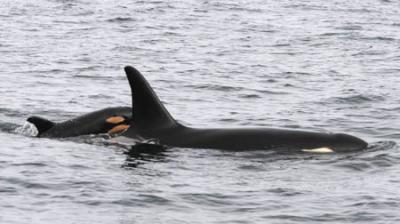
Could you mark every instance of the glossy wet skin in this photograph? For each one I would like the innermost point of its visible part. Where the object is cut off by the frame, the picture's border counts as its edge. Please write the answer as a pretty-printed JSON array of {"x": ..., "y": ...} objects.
[
  {"x": 113, "y": 120},
  {"x": 153, "y": 121},
  {"x": 242, "y": 139}
]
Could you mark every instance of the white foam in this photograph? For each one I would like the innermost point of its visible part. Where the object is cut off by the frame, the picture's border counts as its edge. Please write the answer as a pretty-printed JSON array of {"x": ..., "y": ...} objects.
[{"x": 27, "y": 129}]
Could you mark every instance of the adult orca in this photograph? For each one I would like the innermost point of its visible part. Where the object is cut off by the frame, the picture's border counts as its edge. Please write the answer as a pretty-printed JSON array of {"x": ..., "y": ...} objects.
[
  {"x": 109, "y": 120},
  {"x": 151, "y": 120}
]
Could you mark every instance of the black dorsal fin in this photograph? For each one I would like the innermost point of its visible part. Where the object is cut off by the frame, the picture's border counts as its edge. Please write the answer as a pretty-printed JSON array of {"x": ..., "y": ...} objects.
[
  {"x": 41, "y": 124},
  {"x": 148, "y": 112}
]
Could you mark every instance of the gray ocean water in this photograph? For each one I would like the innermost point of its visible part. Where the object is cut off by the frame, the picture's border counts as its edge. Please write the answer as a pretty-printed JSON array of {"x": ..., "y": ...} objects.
[{"x": 314, "y": 65}]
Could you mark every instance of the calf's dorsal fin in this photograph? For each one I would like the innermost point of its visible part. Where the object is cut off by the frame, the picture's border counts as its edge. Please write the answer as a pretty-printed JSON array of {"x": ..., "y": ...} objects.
[
  {"x": 148, "y": 113},
  {"x": 42, "y": 124}
]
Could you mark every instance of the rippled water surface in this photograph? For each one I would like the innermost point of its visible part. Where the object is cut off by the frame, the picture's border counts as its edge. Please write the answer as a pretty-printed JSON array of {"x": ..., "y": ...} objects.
[{"x": 316, "y": 65}]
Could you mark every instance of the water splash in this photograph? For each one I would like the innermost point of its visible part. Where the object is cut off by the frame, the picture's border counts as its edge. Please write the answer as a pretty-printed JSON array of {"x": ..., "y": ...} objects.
[{"x": 27, "y": 129}]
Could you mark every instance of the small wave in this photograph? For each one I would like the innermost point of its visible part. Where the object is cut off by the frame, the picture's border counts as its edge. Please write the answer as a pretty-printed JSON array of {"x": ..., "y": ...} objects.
[
  {"x": 249, "y": 96},
  {"x": 374, "y": 204},
  {"x": 321, "y": 218},
  {"x": 34, "y": 164},
  {"x": 354, "y": 165},
  {"x": 8, "y": 190},
  {"x": 307, "y": 7},
  {"x": 349, "y": 27},
  {"x": 225, "y": 88},
  {"x": 287, "y": 218},
  {"x": 216, "y": 87},
  {"x": 88, "y": 68},
  {"x": 100, "y": 96},
  {"x": 121, "y": 19},
  {"x": 252, "y": 168},
  {"x": 154, "y": 199},
  {"x": 358, "y": 99},
  {"x": 379, "y": 38},
  {"x": 10, "y": 112},
  {"x": 250, "y": 10},
  {"x": 271, "y": 80},
  {"x": 376, "y": 156},
  {"x": 7, "y": 127},
  {"x": 229, "y": 120},
  {"x": 285, "y": 192},
  {"x": 296, "y": 74},
  {"x": 370, "y": 52},
  {"x": 269, "y": 92},
  {"x": 381, "y": 146},
  {"x": 208, "y": 199},
  {"x": 281, "y": 45},
  {"x": 330, "y": 34},
  {"x": 25, "y": 183},
  {"x": 70, "y": 22},
  {"x": 390, "y": 136},
  {"x": 91, "y": 77}
]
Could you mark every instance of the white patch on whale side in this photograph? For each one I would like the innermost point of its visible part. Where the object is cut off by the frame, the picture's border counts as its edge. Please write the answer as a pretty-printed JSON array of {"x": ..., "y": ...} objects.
[{"x": 319, "y": 150}]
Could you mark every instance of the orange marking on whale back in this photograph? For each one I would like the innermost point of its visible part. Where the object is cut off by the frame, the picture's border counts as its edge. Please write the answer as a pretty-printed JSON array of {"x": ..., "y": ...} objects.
[
  {"x": 115, "y": 120},
  {"x": 118, "y": 129}
]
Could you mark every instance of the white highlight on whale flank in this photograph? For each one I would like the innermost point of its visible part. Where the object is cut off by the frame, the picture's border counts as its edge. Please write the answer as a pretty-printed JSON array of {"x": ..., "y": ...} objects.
[{"x": 319, "y": 150}]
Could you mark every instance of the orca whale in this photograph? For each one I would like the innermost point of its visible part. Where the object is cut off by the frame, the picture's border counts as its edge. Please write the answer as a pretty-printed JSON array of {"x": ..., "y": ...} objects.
[
  {"x": 151, "y": 120},
  {"x": 109, "y": 120}
]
